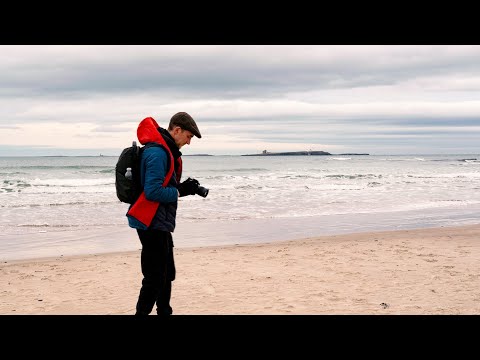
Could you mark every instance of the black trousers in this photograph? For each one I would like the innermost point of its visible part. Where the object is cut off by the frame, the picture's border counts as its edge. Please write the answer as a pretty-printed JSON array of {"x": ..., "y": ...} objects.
[{"x": 158, "y": 269}]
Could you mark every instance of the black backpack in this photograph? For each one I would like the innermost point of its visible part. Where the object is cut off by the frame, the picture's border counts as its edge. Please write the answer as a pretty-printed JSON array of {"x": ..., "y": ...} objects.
[{"x": 128, "y": 190}]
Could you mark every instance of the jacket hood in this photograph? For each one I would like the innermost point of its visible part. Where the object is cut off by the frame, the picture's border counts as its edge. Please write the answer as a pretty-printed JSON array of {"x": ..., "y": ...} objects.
[{"x": 147, "y": 131}]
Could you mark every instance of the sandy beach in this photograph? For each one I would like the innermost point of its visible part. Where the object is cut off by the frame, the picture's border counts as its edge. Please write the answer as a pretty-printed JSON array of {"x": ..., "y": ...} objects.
[{"x": 424, "y": 271}]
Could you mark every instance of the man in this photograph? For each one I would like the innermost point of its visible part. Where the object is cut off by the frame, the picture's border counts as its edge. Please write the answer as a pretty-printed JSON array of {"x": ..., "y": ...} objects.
[{"x": 153, "y": 215}]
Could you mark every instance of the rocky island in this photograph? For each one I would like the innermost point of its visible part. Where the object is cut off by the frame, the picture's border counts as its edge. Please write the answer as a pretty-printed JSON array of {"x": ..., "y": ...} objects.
[{"x": 289, "y": 153}]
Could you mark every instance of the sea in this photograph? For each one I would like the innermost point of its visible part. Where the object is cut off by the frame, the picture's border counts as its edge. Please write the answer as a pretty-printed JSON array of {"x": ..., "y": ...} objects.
[{"x": 67, "y": 205}]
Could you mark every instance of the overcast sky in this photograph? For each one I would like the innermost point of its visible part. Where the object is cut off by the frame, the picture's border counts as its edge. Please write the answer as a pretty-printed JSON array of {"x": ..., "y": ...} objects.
[{"x": 86, "y": 100}]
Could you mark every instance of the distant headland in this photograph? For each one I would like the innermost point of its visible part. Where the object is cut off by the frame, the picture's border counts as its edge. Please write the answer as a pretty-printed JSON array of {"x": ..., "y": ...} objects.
[
  {"x": 197, "y": 155},
  {"x": 293, "y": 153}
]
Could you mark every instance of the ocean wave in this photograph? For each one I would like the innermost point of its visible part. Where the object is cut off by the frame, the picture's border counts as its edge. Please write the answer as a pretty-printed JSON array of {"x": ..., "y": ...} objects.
[
  {"x": 227, "y": 170},
  {"x": 49, "y": 167},
  {"x": 55, "y": 204}
]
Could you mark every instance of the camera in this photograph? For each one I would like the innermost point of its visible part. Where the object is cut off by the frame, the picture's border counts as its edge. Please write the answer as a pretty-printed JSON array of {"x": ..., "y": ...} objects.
[
  {"x": 202, "y": 191},
  {"x": 188, "y": 186}
]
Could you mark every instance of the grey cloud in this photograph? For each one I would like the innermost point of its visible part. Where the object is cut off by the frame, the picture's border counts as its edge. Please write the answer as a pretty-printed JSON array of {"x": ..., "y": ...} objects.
[
  {"x": 111, "y": 85},
  {"x": 223, "y": 72},
  {"x": 436, "y": 121}
]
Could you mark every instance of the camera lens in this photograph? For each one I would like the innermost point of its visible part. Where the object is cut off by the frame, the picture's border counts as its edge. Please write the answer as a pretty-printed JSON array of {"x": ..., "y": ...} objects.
[{"x": 202, "y": 191}]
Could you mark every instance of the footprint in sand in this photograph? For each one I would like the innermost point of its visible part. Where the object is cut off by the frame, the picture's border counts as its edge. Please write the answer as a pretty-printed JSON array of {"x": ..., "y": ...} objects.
[{"x": 384, "y": 305}]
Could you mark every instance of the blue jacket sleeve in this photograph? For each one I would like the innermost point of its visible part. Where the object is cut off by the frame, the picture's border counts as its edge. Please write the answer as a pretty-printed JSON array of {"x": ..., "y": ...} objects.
[{"x": 155, "y": 164}]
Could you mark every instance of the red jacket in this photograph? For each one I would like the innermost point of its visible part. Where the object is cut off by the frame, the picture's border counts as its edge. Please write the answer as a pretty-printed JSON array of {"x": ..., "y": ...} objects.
[{"x": 143, "y": 209}]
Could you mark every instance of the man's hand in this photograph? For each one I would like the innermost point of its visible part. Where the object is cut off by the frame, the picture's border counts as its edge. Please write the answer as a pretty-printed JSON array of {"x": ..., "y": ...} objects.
[{"x": 188, "y": 187}]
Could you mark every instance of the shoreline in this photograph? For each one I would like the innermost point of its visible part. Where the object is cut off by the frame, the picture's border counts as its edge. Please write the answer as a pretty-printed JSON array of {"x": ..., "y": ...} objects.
[
  {"x": 422, "y": 271},
  {"x": 235, "y": 245},
  {"x": 192, "y": 234}
]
